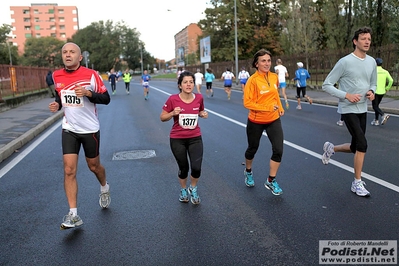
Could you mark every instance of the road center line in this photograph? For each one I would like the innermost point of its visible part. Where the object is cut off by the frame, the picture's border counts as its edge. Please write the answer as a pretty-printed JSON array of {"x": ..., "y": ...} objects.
[{"x": 311, "y": 153}]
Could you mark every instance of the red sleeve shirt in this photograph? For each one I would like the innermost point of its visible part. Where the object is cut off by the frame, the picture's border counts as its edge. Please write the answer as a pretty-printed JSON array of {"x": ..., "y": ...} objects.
[
  {"x": 80, "y": 115},
  {"x": 185, "y": 125}
]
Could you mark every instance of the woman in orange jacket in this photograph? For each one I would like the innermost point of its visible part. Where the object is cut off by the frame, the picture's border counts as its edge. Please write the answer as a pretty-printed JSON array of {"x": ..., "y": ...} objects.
[{"x": 262, "y": 99}]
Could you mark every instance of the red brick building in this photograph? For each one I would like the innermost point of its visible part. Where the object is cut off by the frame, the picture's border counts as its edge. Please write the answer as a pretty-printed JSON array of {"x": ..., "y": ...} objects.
[
  {"x": 42, "y": 20},
  {"x": 186, "y": 45}
]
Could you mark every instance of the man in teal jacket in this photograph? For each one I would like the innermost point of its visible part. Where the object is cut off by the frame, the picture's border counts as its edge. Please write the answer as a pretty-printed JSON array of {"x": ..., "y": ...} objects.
[{"x": 384, "y": 83}]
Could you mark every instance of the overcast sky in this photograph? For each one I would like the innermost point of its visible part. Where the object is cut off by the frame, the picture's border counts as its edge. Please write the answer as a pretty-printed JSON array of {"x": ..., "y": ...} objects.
[{"x": 151, "y": 18}]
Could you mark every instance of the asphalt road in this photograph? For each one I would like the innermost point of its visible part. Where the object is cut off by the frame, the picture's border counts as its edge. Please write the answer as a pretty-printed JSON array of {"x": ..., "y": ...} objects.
[{"x": 234, "y": 225}]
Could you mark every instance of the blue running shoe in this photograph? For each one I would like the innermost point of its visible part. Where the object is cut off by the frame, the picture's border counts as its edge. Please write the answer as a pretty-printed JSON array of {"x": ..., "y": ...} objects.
[
  {"x": 195, "y": 199},
  {"x": 183, "y": 195},
  {"x": 273, "y": 187},
  {"x": 249, "y": 179}
]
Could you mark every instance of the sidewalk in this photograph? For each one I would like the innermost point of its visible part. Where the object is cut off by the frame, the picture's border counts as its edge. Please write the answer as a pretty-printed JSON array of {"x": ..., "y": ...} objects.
[{"x": 20, "y": 125}]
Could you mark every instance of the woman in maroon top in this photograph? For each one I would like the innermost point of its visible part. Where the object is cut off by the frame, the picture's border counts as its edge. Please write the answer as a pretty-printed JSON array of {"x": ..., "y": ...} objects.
[{"x": 185, "y": 136}]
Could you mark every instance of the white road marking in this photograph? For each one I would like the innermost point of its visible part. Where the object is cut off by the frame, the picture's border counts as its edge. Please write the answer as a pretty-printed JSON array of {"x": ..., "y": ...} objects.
[{"x": 369, "y": 177}]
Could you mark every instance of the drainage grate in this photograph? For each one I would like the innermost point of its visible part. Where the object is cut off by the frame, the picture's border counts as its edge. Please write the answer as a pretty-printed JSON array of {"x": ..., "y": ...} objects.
[{"x": 133, "y": 155}]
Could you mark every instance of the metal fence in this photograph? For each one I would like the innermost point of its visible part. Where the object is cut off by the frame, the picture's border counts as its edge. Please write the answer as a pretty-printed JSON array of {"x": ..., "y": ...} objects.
[
  {"x": 319, "y": 64},
  {"x": 25, "y": 80}
]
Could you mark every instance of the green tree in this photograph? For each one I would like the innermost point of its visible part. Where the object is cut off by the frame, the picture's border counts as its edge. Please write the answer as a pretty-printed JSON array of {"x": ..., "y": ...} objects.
[
  {"x": 6, "y": 47},
  {"x": 112, "y": 45},
  {"x": 42, "y": 52},
  {"x": 256, "y": 28},
  {"x": 102, "y": 42}
]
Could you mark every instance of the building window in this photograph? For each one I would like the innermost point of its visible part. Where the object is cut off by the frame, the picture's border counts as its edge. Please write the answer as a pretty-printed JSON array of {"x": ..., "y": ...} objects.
[
  {"x": 52, "y": 19},
  {"x": 63, "y": 35},
  {"x": 26, "y": 11},
  {"x": 37, "y": 27},
  {"x": 37, "y": 20},
  {"x": 27, "y": 28},
  {"x": 62, "y": 19},
  {"x": 28, "y": 35},
  {"x": 38, "y": 35},
  {"x": 62, "y": 27},
  {"x": 36, "y": 11},
  {"x": 53, "y": 35},
  {"x": 61, "y": 11},
  {"x": 53, "y": 28},
  {"x": 51, "y": 11},
  {"x": 26, "y": 19}
]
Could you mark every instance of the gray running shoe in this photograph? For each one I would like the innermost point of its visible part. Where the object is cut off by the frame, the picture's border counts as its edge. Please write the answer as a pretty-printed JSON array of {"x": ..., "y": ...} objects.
[
  {"x": 71, "y": 221},
  {"x": 384, "y": 119},
  {"x": 105, "y": 200},
  {"x": 328, "y": 149}
]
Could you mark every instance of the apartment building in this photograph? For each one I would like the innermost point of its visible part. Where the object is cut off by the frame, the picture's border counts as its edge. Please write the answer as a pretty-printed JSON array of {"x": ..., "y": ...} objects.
[
  {"x": 42, "y": 20},
  {"x": 186, "y": 44}
]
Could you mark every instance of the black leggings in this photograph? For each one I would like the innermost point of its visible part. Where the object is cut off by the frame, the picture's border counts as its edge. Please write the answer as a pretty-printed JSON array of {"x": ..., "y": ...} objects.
[
  {"x": 274, "y": 133},
  {"x": 376, "y": 105},
  {"x": 209, "y": 85},
  {"x": 192, "y": 147},
  {"x": 356, "y": 125}
]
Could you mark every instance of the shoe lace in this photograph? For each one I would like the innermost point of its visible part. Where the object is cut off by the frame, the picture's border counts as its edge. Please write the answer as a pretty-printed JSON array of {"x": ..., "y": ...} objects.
[
  {"x": 194, "y": 192},
  {"x": 68, "y": 217},
  {"x": 360, "y": 185},
  {"x": 183, "y": 193},
  {"x": 275, "y": 185},
  {"x": 249, "y": 176},
  {"x": 104, "y": 195}
]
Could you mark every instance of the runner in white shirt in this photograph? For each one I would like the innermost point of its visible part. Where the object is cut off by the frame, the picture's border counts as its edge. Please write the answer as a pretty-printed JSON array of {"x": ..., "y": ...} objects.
[
  {"x": 198, "y": 80},
  {"x": 228, "y": 77},
  {"x": 282, "y": 73},
  {"x": 243, "y": 77},
  {"x": 78, "y": 90}
]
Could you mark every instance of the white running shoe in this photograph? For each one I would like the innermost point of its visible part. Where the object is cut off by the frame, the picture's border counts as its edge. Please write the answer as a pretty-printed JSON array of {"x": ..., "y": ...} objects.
[
  {"x": 328, "y": 149},
  {"x": 384, "y": 119},
  {"x": 340, "y": 123},
  {"x": 358, "y": 188},
  {"x": 298, "y": 107},
  {"x": 375, "y": 123}
]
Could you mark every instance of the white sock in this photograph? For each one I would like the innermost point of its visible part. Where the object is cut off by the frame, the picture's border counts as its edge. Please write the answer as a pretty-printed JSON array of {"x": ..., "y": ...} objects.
[
  {"x": 358, "y": 180},
  {"x": 105, "y": 188},
  {"x": 74, "y": 211}
]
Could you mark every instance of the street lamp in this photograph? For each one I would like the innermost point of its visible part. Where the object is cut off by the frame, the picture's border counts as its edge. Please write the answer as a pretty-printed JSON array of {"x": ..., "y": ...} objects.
[
  {"x": 9, "y": 52},
  {"x": 235, "y": 38},
  {"x": 141, "y": 53}
]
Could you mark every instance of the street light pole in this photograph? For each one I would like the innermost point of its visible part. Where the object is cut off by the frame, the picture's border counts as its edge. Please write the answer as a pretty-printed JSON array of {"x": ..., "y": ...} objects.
[
  {"x": 9, "y": 52},
  {"x": 235, "y": 39},
  {"x": 141, "y": 53}
]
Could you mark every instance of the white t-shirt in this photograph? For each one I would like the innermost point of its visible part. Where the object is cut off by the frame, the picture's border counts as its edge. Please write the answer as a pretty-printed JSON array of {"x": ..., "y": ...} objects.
[
  {"x": 198, "y": 78},
  {"x": 227, "y": 75},
  {"x": 282, "y": 70},
  {"x": 243, "y": 74}
]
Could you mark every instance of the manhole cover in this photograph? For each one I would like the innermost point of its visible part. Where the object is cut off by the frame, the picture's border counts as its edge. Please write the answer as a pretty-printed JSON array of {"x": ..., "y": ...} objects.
[{"x": 133, "y": 155}]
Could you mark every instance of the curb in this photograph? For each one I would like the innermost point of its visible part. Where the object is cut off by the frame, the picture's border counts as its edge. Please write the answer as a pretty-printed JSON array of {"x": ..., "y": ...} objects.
[{"x": 8, "y": 149}]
